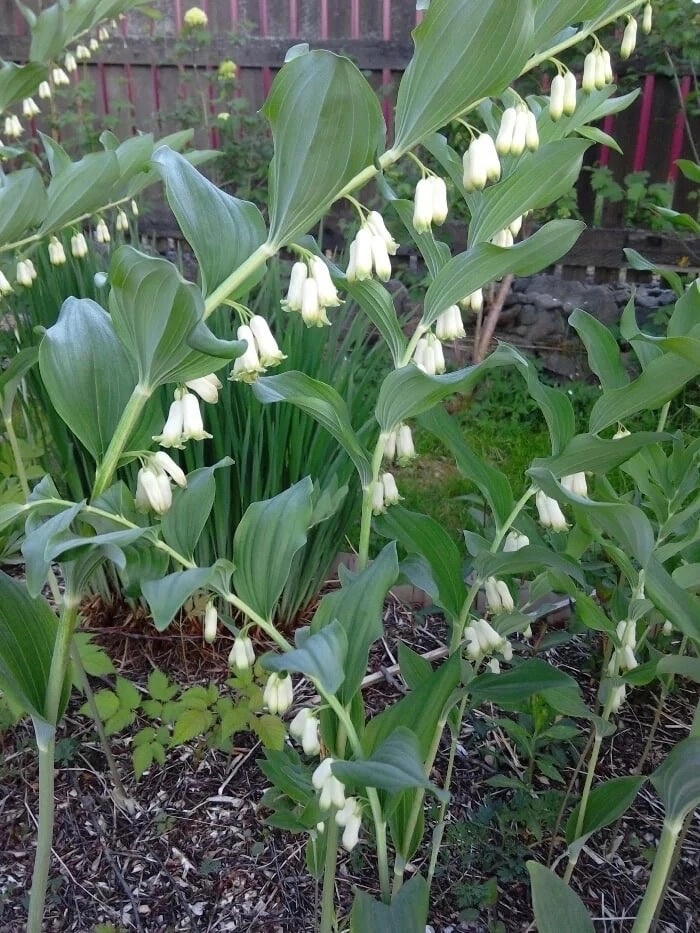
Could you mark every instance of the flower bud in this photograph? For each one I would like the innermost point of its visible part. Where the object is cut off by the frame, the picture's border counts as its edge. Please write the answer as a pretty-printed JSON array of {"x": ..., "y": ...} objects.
[
  {"x": 152, "y": 492},
  {"x": 297, "y": 278},
  {"x": 556, "y": 97},
  {"x": 438, "y": 366},
  {"x": 667, "y": 628},
  {"x": 505, "y": 596},
  {"x": 375, "y": 222},
  {"x": 629, "y": 38},
  {"x": 390, "y": 446},
  {"x": 211, "y": 621},
  {"x": 476, "y": 164},
  {"x": 621, "y": 432},
  {"x": 439, "y": 193},
  {"x": 504, "y": 138},
  {"x": 532, "y": 136},
  {"x": 268, "y": 351},
  {"x": 519, "y": 140},
  {"x": 78, "y": 246},
  {"x": 206, "y": 387},
  {"x": 380, "y": 259},
  {"x": 247, "y": 367},
  {"x": 24, "y": 273},
  {"x": 588, "y": 81},
  {"x": 569, "y": 93},
  {"x": 646, "y": 19},
  {"x": 278, "y": 694},
  {"x": 195, "y": 18},
  {"x": 363, "y": 254},
  {"x": 134, "y": 208},
  {"x": 515, "y": 226}
]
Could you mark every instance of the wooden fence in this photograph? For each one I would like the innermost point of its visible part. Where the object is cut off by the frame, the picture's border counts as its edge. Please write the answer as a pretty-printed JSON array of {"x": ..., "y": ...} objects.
[{"x": 143, "y": 75}]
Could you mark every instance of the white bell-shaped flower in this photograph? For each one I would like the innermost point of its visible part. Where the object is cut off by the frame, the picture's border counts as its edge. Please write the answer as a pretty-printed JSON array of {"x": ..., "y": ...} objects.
[
  {"x": 297, "y": 277},
  {"x": 102, "y": 232},
  {"x": 390, "y": 489},
  {"x": 164, "y": 463},
  {"x": 171, "y": 435},
  {"x": 57, "y": 254},
  {"x": 504, "y": 138},
  {"x": 78, "y": 246},
  {"x": 5, "y": 287},
  {"x": 313, "y": 314},
  {"x": 361, "y": 260},
  {"x": 242, "y": 654},
  {"x": 327, "y": 292},
  {"x": 380, "y": 258},
  {"x": 439, "y": 195},
  {"x": 629, "y": 38},
  {"x": 515, "y": 541},
  {"x": 211, "y": 622},
  {"x": 449, "y": 326},
  {"x": 332, "y": 790},
  {"x": 350, "y": 818},
  {"x": 423, "y": 206},
  {"x": 29, "y": 108},
  {"x": 278, "y": 694},
  {"x": 304, "y": 728},
  {"x": 550, "y": 513},
  {"x": 588, "y": 81},
  {"x": 405, "y": 450},
  {"x": 268, "y": 351},
  {"x": 378, "y": 497},
  {"x": 192, "y": 424},
  {"x": 206, "y": 387},
  {"x": 44, "y": 90},
  {"x": 576, "y": 483},
  {"x": 247, "y": 367},
  {"x": 569, "y": 93},
  {"x": 376, "y": 224},
  {"x": 152, "y": 491},
  {"x": 557, "y": 91}
]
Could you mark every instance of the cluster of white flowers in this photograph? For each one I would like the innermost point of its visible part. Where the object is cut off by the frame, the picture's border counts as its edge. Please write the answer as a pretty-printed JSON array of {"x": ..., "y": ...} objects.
[
  {"x": 278, "y": 694},
  {"x": 597, "y": 70},
  {"x": 195, "y": 18},
  {"x": 78, "y": 246},
  {"x": 550, "y": 513},
  {"x": 399, "y": 446},
  {"x": 517, "y": 131},
  {"x": 82, "y": 52},
  {"x": 623, "y": 658},
  {"x": 30, "y": 108},
  {"x": 304, "y": 728},
  {"x": 261, "y": 352},
  {"x": 480, "y": 163},
  {"x": 122, "y": 222},
  {"x": 483, "y": 640},
  {"x": 13, "y": 128},
  {"x": 184, "y": 422},
  {"x": 26, "y": 273},
  {"x": 473, "y": 301},
  {"x": 429, "y": 203},
  {"x": 242, "y": 655},
  {"x": 311, "y": 291},
  {"x": 449, "y": 325},
  {"x": 153, "y": 489},
  {"x": 102, "y": 232},
  {"x": 385, "y": 492},
  {"x": 428, "y": 355},
  {"x": 350, "y": 818},
  {"x": 498, "y": 596},
  {"x": 562, "y": 95},
  {"x": 57, "y": 254},
  {"x": 59, "y": 78},
  {"x": 370, "y": 251},
  {"x": 332, "y": 791}
]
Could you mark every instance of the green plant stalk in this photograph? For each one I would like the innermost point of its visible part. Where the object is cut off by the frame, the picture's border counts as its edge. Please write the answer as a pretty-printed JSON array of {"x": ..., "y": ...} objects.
[
  {"x": 659, "y": 874},
  {"x": 127, "y": 423},
  {"x": 329, "y": 867},
  {"x": 590, "y": 772},
  {"x": 367, "y": 495},
  {"x": 46, "y": 742}
]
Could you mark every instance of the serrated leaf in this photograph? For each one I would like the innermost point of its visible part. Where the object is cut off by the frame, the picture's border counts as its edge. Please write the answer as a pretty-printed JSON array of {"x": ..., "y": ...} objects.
[
  {"x": 120, "y": 720},
  {"x": 159, "y": 686},
  {"x": 107, "y": 703},
  {"x": 129, "y": 696},
  {"x": 95, "y": 660},
  {"x": 190, "y": 724},
  {"x": 270, "y": 730},
  {"x": 141, "y": 759}
]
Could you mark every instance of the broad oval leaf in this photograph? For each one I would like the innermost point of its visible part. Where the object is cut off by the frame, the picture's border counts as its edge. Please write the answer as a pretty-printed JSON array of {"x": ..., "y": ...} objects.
[
  {"x": 677, "y": 780},
  {"x": 184, "y": 522},
  {"x": 557, "y": 907},
  {"x": 266, "y": 540},
  {"x": 167, "y": 595},
  {"x": 377, "y": 304},
  {"x": 87, "y": 373},
  {"x": 605, "y": 804},
  {"x": 22, "y": 202},
  {"x": 593, "y": 454},
  {"x": 603, "y": 351},
  {"x": 327, "y": 127},
  {"x": 19, "y": 81},
  {"x": 464, "y": 50},
  {"x": 407, "y": 913},
  {"x": 222, "y": 230},
  {"x": 80, "y": 188}
]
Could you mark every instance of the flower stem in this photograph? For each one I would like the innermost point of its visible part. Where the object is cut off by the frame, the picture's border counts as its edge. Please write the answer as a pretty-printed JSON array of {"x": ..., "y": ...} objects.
[
  {"x": 127, "y": 423},
  {"x": 659, "y": 873},
  {"x": 256, "y": 259},
  {"x": 592, "y": 763},
  {"x": 328, "y": 896}
]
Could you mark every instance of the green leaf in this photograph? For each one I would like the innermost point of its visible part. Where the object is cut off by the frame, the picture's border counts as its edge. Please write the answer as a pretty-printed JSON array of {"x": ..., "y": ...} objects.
[
  {"x": 484, "y": 262},
  {"x": 605, "y": 804},
  {"x": 423, "y": 708},
  {"x": 407, "y": 913},
  {"x": 677, "y": 780},
  {"x": 323, "y": 404},
  {"x": 422, "y": 535},
  {"x": 159, "y": 686},
  {"x": 95, "y": 660},
  {"x": 166, "y": 595},
  {"x": 638, "y": 262},
  {"x": 270, "y": 730},
  {"x": 141, "y": 759},
  {"x": 88, "y": 374},
  {"x": 157, "y": 314},
  {"x": 358, "y": 606},
  {"x": 377, "y": 304},
  {"x": 184, "y": 522},
  {"x": 525, "y": 560},
  {"x": 408, "y": 391},
  {"x": 266, "y": 540},
  {"x": 129, "y": 696},
  {"x": 603, "y": 351},
  {"x": 39, "y": 537},
  {"x": 395, "y": 765},
  {"x": 22, "y": 202},
  {"x": 27, "y": 636},
  {"x": 320, "y": 656},
  {"x": 691, "y": 170},
  {"x": 79, "y": 188},
  {"x": 539, "y": 178},
  {"x": 415, "y": 669},
  {"x": 593, "y": 454},
  {"x": 19, "y": 81},
  {"x": 223, "y": 231},
  {"x": 107, "y": 703},
  {"x": 492, "y": 484},
  {"x": 512, "y": 687},
  {"x": 190, "y": 724},
  {"x": 435, "y": 253},
  {"x": 464, "y": 50},
  {"x": 327, "y": 127},
  {"x": 679, "y": 664},
  {"x": 676, "y": 604},
  {"x": 556, "y": 906}
]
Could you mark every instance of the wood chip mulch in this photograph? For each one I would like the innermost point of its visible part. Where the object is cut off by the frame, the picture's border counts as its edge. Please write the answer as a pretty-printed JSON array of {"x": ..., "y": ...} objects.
[{"x": 189, "y": 852}]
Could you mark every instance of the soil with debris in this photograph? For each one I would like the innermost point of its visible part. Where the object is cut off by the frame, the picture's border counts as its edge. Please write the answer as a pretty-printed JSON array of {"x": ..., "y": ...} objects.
[{"x": 190, "y": 852}]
